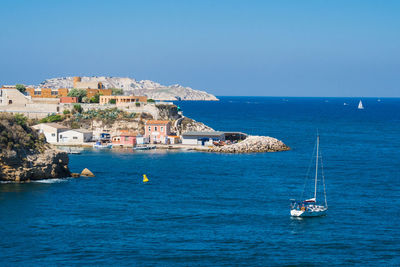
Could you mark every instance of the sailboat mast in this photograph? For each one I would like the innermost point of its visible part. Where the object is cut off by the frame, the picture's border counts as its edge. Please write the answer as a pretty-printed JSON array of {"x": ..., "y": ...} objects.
[{"x": 316, "y": 171}]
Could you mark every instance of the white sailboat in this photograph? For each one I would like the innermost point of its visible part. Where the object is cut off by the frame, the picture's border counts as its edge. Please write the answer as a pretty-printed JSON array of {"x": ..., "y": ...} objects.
[
  {"x": 360, "y": 105},
  {"x": 310, "y": 207}
]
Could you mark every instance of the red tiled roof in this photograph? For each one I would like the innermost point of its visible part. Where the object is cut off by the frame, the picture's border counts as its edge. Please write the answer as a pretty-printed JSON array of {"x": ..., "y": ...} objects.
[{"x": 156, "y": 122}]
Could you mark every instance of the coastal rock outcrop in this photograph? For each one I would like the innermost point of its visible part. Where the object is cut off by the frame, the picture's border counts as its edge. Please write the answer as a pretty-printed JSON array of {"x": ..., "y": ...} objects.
[
  {"x": 252, "y": 144},
  {"x": 26, "y": 156},
  {"x": 186, "y": 124},
  {"x": 130, "y": 86},
  {"x": 87, "y": 173}
]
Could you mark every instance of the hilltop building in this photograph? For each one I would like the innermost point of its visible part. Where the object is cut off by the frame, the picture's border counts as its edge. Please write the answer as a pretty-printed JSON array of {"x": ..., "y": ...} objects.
[
  {"x": 47, "y": 92},
  {"x": 121, "y": 100},
  {"x": 13, "y": 97}
]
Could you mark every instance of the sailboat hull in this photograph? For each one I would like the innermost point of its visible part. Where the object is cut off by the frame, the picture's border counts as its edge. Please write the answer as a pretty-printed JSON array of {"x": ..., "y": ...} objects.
[{"x": 308, "y": 213}]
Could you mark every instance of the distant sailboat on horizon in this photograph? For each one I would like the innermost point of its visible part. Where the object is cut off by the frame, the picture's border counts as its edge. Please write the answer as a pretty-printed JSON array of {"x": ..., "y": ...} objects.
[{"x": 360, "y": 105}]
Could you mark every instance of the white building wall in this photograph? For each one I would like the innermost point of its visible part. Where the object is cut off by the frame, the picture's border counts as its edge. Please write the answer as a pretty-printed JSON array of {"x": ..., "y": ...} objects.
[
  {"x": 196, "y": 140},
  {"x": 140, "y": 140},
  {"x": 72, "y": 136},
  {"x": 51, "y": 136},
  {"x": 49, "y": 132},
  {"x": 189, "y": 141}
]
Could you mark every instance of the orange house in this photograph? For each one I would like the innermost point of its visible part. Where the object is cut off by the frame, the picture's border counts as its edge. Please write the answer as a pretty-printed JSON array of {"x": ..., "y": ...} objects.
[
  {"x": 157, "y": 131},
  {"x": 47, "y": 92}
]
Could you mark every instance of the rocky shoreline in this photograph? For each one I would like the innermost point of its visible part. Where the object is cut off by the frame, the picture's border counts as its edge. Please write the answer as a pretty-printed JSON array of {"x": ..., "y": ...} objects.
[
  {"x": 25, "y": 155},
  {"x": 253, "y": 144},
  {"x": 52, "y": 163}
]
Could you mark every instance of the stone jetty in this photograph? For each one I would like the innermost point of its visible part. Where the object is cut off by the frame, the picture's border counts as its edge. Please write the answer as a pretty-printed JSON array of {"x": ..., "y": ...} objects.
[{"x": 253, "y": 144}]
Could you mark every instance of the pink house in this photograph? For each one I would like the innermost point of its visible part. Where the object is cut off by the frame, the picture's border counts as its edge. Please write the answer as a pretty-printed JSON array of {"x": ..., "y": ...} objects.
[
  {"x": 125, "y": 138},
  {"x": 157, "y": 131}
]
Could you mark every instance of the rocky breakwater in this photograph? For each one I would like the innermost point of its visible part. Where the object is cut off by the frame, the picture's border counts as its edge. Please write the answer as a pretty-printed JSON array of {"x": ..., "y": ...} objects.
[
  {"x": 25, "y": 156},
  {"x": 252, "y": 144}
]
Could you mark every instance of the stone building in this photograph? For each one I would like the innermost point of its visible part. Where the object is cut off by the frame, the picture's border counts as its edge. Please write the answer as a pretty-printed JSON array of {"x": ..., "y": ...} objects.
[{"x": 13, "y": 97}]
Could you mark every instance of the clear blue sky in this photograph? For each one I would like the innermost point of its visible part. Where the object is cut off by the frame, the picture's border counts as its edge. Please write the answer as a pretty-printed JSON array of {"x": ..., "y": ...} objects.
[{"x": 269, "y": 48}]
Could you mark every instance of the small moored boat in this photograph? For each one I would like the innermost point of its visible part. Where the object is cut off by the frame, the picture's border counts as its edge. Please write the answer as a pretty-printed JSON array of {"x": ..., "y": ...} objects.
[
  {"x": 143, "y": 147},
  {"x": 99, "y": 144}
]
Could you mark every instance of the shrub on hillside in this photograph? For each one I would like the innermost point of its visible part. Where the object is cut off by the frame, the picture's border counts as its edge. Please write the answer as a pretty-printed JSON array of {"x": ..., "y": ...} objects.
[
  {"x": 16, "y": 134},
  {"x": 52, "y": 118},
  {"x": 79, "y": 93},
  {"x": 117, "y": 91},
  {"x": 78, "y": 108}
]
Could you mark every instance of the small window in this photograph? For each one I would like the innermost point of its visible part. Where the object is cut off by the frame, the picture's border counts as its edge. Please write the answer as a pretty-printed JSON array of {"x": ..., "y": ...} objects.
[
  {"x": 54, "y": 92},
  {"x": 149, "y": 128},
  {"x": 53, "y": 134},
  {"x": 155, "y": 128},
  {"x": 75, "y": 137},
  {"x": 126, "y": 138},
  {"x": 162, "y": 129}
]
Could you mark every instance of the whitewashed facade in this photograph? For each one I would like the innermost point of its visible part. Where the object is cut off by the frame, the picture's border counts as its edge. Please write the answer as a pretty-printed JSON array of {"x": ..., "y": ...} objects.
[
  {"x": 75, "y": 136},
  {"x": 50, "y": 130},
  {"x": 202, "y": 138}
]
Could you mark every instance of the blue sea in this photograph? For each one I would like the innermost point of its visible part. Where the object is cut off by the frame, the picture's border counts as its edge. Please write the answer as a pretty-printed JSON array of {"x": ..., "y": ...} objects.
[{"x": 207, "y": 209}]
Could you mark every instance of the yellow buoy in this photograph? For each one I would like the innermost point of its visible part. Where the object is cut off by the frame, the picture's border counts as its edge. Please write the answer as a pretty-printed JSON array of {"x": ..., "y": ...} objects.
[{"x": 145, "y": 180}]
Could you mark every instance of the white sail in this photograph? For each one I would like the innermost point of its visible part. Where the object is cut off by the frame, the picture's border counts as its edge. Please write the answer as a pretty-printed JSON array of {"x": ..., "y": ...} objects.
[{"x": 360, "y": 105}]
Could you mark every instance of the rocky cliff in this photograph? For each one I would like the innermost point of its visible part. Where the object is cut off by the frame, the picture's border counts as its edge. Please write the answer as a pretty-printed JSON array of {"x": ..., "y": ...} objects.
[
  {"x": 24, "y": 155},
  {"x": 131, "y": 86}
]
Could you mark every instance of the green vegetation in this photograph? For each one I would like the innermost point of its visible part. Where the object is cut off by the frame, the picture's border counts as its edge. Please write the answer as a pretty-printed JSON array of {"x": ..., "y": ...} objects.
[
  {"x": 107, "y": 116},
  {"x": 95, "y": 98},
  {"x": 112, "y": 101},
  {"x": 66, "y": 112},
  {"x": 79, "y": 93},
  {"x": 16, "y": 134},
  {"x": 20, "y": 119},
  {"x": 21, "y": 88},
  {"x": 150, "y": 100},
  {"x": 117, "y": 91},
  {"x": 137, "y": 104},
  {"x": 52, "y": 118},
  {"x": 78, "y": 108},
  {"x": 75, "y": 125}
]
